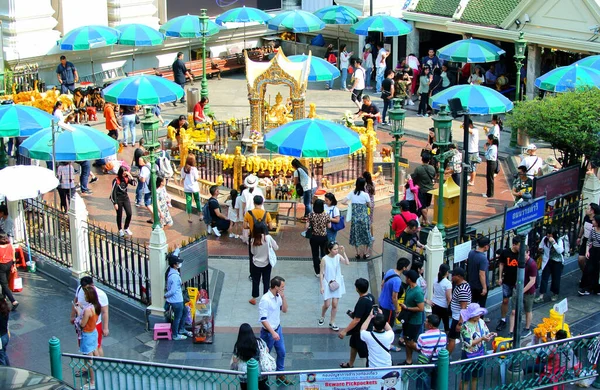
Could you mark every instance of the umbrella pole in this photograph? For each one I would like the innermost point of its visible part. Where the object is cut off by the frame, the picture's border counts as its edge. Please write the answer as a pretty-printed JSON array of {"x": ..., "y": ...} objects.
[
  {"x": 93, "y": 74},
  {"x": 133, "y": 61},
  {"x": 190, "y": 48},
  {"x": 244, "y": 48},
  {"x": 25, "y": 233},
  {"x": 295, "y": 43}
]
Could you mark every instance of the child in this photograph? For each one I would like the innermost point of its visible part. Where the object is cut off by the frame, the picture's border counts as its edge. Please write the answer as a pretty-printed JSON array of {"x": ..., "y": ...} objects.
[{"x": 233, "y": 202}]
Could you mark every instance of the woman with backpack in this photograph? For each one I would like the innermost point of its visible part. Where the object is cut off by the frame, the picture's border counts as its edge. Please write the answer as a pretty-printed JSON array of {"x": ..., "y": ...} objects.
[
  {"x": 120, "y": 199},
  {"x": 552, "y": 248},
  {"x": 260, "y": 266},
  {"x": 190, "y": 176}
]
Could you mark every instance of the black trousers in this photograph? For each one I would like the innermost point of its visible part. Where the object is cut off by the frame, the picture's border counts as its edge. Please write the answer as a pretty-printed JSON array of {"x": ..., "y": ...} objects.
[
  {"x": 477, "y": 297},
  {"x": 317, "y": 247},
  {"x": 554, "y": 269},
  {"x": 123, "y": 205},
  {"x": 490, "y": 169},
  {"x": 444, "y": 314},
  {"x": 257, "y": 273},
  {"x": 65, "y": 195},
  {"x": 4, "y": 273},
  {"x": 589, "y": 281},
  {"x": 423, "y": 103}
]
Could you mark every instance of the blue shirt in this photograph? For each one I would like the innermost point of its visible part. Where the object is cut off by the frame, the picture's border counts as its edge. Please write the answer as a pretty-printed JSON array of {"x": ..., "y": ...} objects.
[
  {"x": 392, "y": 285},
  {"x": 67, "y": 72},
  {"x": 174, "y": 293}
]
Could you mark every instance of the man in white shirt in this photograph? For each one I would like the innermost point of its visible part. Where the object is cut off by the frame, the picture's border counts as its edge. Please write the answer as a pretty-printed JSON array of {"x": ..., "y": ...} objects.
[
  {"x": 379, "y": 340},
  {"x": 473, "y": 151},
  {"x": 380, "y": 65},
  {"x": 269, "y": 315},
  {"x": 531, "y": 162},
  {"x": 144, "y": 178},
  {"x": 102, "y": 322},
  {"x": 359, "y": 83}
]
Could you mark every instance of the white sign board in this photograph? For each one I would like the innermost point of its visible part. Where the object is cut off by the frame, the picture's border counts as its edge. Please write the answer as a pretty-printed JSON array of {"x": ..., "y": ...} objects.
[
  {"x": 461, "y": 252},
  {"x": 561, "y": 307},
  {"x": 348, "y": 380}
]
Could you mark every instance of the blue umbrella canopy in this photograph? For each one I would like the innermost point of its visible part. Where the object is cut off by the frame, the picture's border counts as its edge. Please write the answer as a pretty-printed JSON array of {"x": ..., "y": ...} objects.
[
  {"x": 338, "y": 14},
  {"x": 298, "y": 21},
  {"x": 142, "y": 90},
  {"x": 82, "y": 143},
  {"x": 89, "y": 37},
  {"x": 590, "y": 62},
  {"x": 312, "y": 138},
  {"x": 320, "y": 70},
  {"x": 22, "y": 121},
  {"x": 477, "y": 99},
  {"x": 243, "y": 15},
  {"x": 470, "y": 50},
  {"x": 388, "y": 25},
  {"x": 135, "y": 34},
  {"x": 569, "y": 78},
  {"x": 189, "y": 26}
]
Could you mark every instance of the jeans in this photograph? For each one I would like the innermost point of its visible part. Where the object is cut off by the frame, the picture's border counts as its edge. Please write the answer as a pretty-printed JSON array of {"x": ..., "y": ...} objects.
[
  {"x": 139, "y": 193},
  {"x": 554, "y": 269},
  {"x": 368, "y": 72},
  {"x": 318, "y": 246},
  {"x": 123, "y": 205},
  {"x": 178, "y": 325},
  {"x": 379, "y": 78},
  {"x": 330, "y": 84},
  {"x": 279, "y": 345},
  {"x": 182, "y": 100},
  {"x": 4, "y": 274},
  {"x": 257, "y": 273},
  {"x": 307, "y": 200},
  {"x": 84, "y": 177},
  {"x": 129, "y": 127},
  {"x": 65, "y": 88},
  {"x": 344, "y": 77},
  {"x": 3, "y": 355},
  {"x": 387, "y": 104}
]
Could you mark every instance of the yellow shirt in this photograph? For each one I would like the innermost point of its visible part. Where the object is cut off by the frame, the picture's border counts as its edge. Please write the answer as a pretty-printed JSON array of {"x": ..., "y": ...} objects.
[{"x": 259, "y": 214}]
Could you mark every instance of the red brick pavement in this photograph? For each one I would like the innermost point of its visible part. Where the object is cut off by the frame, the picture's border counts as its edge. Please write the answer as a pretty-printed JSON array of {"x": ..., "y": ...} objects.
[{"x": 290, "y": 241}]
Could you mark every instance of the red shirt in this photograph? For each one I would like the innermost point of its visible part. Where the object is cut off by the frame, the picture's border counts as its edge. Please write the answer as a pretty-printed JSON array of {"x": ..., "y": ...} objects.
[
  {"x": 198, "y": 112},
  {"x": 399, "y": 223},
  {"x": 6, "y": 254}
]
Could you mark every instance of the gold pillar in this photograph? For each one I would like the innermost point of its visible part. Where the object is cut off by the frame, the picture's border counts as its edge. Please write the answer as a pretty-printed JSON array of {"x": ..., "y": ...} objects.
[
  {"x": 371, "y": 143},
  {"x": 299, "y": 109},
  {"x": 237, "y": 168},
  {"x": 255, "y": 114}
]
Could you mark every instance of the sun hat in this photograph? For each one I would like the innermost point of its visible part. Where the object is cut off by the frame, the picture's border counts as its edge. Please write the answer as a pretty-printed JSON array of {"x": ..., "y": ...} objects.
[
  {"x": 473, "y": 310},
  {"x": 251, "y": 181}
]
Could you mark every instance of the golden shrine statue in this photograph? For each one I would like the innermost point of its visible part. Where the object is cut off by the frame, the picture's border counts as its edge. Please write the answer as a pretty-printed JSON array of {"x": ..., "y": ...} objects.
[
  {"x": 279, "y": 71},
  {"x": 186, "y": 143}
]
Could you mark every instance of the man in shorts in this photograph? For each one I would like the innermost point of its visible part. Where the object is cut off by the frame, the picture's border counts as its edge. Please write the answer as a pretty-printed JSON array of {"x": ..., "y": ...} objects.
[
  {"x": 414, "y": 303},
  {"x": 359, "y": 82},
  {"x": 362, "y": 311},
  {"x": 531, "y": 272},
  {"x": 508, "y": 265},
  {"x": 423, "y": 177},
  {"x": 461, "y": 297},
  {"x": 102, "y": 322}
]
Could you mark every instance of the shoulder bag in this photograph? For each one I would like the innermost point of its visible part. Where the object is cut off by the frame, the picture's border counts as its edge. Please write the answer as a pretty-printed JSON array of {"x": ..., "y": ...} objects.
[
  {"x": 337, "y": 226},
  {"x": 422, "y": 359},
  {"x": 267, "y": 361},
  {"x": 272, "y": 254},
  {"x": 333, "y": 284},
  {"x": 380, "y": 343}
]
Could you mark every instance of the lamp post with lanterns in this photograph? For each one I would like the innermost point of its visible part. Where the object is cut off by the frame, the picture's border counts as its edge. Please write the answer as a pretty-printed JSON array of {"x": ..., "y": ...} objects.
[
  {"x": 204, "y": 33},
  {"x": 442, "y": 127},
  {"x": 520, "y": 46},
  {"x": 150, "y": 131},
  {"x": 397, "y": 117}
]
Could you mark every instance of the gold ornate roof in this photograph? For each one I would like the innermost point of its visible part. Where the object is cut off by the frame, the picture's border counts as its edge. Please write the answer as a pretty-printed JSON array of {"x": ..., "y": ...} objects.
[{"x": 280, "y": 70}]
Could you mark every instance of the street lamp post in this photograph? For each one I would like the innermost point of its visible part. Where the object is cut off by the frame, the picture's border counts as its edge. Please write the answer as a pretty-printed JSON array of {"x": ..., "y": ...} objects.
[
  {"x": 442, "y": 125},
  {"x": 397, "y": 117},
  {"x": 204, "y": 33},
  {"x": 520, "y": 46},
  {"x": 150, "y": 130}
]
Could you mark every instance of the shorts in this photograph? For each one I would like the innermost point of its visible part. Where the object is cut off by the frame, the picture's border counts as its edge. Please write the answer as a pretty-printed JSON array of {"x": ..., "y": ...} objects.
[
  {"x": 411, "y": 331},
  {"x": 452, "y": 332},
  {"x": 527, "y": 302},
  {"x": 507, "y": 290},
  {"x": 357, "y": 95},
  {"x": 148, "y": 199},
  {"x": 425, "y": 199},
  {"x": 473, "y": 370},
  {"x": 99, "y": 330},
  {"x": 583, "y": 246},
  {"x": 474, "y": 159},
  {"x": 359, "y": 345},
  {"x": 390, "y": 316},
  {"x": 89, "y": 342}
]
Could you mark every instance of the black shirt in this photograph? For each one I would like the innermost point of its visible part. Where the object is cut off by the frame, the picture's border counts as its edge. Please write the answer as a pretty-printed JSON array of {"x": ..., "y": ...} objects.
[
  {"x": 510, "y": 260},
  {"x": 408, "y": 239},
  {"x": 386, "y": 88},
  {"x": 128, "y": 110},
  {"x": 213, "y": 205},
  {"x": 3, "y": 325},
  {"x": 362, "y": 309},
  {"x": 179, "y": 71},
  {"x": 370, "y": 109},
  {"x": 175, "y": 124}
]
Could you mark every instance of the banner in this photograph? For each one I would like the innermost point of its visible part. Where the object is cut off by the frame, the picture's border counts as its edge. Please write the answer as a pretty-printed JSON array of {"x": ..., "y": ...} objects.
[{"x": 382, "y": 379}]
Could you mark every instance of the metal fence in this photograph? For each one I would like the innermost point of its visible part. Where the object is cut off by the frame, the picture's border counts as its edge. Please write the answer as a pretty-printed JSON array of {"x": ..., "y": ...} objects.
[
  {"x": 209, "y": 168},
  {"x": 119, "y": 263},
  {"x": 357, "y": 164},
  {"x": 48, "y": 231},
  {"x": 221, "y": 130}
]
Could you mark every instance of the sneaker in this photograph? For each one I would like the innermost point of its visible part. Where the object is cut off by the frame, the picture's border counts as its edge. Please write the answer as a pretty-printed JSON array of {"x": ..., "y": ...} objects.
[
  {"x": 216, "y": 231},
  {"x": 526, "y": 333},
  {"x": 94, "y": 179},
  {"x": 384, "y": 123},
  {"x": 484, "y": 195},
  {"x": 538, "y": 300},
  {"x": 426, "y": 115},
  {"x": 554, "y": 297},
  {"x": 179, "y": 337},
  {"x": 208, "y": 230},
  {"x": 187, "y": 333},
  {"x": 86, "y": 192},
  {"x": 303, "y": 234},
  {"x": 138, "y": 205},
  {"x": 321, "y": 321},
  {"x": 501, "y": 326},
  {"x": 334, "y": 327},
  {"x": 128, "y": 232},
  {"x": 121, "y": 233},
  {"x": 410, "y": 102},
  {"x": 252, "y": 301},
  {"x": 89, "y": 386},
  {"x": 419, "y": 115},
  {"x": 231, "y": 235},
  {"x": 583, "y": 292}
]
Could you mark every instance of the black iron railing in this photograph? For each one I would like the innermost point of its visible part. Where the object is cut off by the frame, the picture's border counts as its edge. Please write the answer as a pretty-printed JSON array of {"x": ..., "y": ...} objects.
[
  {"x": 48, "y": 231},
  {"x": 209, "y": 168},
  {"x": 119, "y": 263}
]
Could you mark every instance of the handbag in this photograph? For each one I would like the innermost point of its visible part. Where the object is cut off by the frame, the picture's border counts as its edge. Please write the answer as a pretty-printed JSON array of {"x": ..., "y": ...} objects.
[
  {"x": 137, "y": 120},
  {"x": 272, "y": 254},
  {"x": 267, "y": 362},
  {"x": 333, "y": 284},
  {"x": 422, "y": 359},
  {"x": 404, "y": 316},
  {"x": 299, "y": 190},
  {"x": 337, "y": 226}
]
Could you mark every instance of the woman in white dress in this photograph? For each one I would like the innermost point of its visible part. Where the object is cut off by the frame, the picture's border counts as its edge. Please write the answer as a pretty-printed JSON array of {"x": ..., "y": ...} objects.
[{"x": 330, "y": 271}]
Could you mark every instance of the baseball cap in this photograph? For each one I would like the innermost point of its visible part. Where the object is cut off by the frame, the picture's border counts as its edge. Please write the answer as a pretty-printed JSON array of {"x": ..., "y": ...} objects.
[
  {"x": 411, "y": 275},
  {"x": 458, "y": 271},
  {"x": 531, "y": 147},
  {"x": 368, "y": 46}
]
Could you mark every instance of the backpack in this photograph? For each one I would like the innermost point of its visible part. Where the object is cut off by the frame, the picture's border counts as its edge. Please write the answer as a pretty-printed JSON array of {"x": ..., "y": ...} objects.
[
  {"x": 206, "y": 214},
  {"x": 259, "y": 222},
  {"x": 164, "y": 164}
]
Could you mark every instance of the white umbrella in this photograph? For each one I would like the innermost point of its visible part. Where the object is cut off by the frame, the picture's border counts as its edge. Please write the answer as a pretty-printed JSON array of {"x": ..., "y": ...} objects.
[{"x": 26, "y": 182}]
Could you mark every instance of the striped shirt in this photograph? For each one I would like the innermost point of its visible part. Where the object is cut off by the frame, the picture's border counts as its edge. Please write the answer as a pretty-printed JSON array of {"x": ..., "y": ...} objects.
[
  {"x": 460, "y": 293},
  {"x": 431, "y": 342},
  {"x": 594, "y": 239}
]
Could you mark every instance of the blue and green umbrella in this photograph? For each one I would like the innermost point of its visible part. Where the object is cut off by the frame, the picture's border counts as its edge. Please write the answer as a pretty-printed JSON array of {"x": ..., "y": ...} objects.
[
  {"x": 22, "y": 121},
  {"x": 297, "y": 21},
  {"x": 388, "y": 25},
  {"x": 471, "y": 51},
  {"x": 312, "y": 138},
  {"x": 89, "y": 37},
  {"x": 338, "y": 14},
  {"x": 189, "y": 26},
  {"x": 136, "y": 35},
  {"x": 590, "y": 62},
  {"x": 243, "y": 15},
  {"x": 320, "y": 70},
  {"x": 569, "y": 78},
  {"x": 142, "y": 90},
  {"x": 477, "y": 99},
  {"x": 77, "y": 144}
]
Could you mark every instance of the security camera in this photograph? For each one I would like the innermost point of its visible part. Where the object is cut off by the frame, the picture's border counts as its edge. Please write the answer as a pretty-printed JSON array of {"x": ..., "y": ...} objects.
[
  {"x": 526, "y": 18},
  {"x": 518, "y": 22}
]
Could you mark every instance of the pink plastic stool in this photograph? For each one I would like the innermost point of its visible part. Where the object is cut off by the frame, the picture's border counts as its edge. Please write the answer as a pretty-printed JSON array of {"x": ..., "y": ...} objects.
[{"x": 162, "y": 331}]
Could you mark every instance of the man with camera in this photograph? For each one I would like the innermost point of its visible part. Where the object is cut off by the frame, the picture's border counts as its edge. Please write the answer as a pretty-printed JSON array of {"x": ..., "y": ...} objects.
[
  {"x": 362, "y": 311},
  {"x": 378, "y": 340}
]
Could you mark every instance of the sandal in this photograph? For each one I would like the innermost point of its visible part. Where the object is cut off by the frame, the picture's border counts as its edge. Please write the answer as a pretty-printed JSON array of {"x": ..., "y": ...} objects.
[
  {"x": 346, "y": 365},
  {"x": 393, "y": 348}
]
